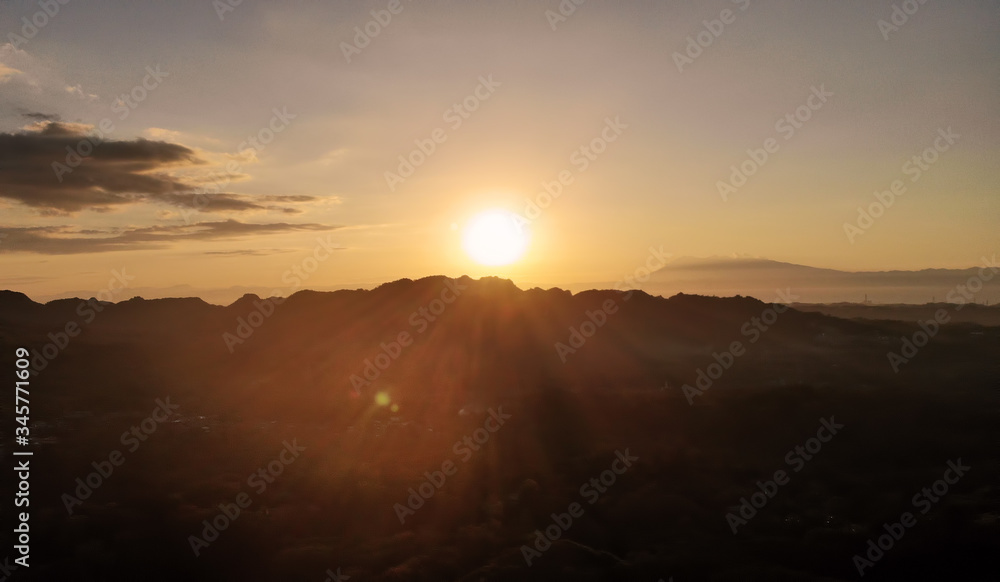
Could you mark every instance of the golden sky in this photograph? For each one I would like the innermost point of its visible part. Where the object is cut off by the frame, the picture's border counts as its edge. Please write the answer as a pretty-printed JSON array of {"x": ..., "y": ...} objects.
[{"x": 635, "y": 112}]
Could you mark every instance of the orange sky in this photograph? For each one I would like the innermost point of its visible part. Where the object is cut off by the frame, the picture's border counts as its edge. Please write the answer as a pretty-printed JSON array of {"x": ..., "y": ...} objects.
[{"x": 491, "y": 102}]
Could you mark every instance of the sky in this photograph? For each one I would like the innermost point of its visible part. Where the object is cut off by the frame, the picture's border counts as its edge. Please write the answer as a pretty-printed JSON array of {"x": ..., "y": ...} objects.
[{"x": 259, "y": 144}]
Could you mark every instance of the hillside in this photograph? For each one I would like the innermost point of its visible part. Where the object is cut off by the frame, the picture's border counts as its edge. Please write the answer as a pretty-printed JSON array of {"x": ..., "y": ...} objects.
[{"x": 382, "y": 389}]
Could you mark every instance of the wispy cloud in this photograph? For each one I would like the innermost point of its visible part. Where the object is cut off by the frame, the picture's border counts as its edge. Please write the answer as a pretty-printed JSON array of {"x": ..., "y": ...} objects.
[
  {"x": 249, "y": 252},
  {"x": 66, "y": 240},
  {"x": 7, "y": 72}
]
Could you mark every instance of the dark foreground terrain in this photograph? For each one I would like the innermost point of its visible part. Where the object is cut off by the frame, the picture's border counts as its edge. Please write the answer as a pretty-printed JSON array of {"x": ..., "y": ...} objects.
[{"x": 165, "y": 449}]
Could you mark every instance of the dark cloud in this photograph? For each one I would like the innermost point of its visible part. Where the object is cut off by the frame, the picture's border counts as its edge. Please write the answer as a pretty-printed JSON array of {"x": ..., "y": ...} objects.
[
  {"x": 38, "y": 116},
  {"x": 41, "y": 168},
  {"x": 249, "y": 252},
  {"x": 66, "y": 240},
  {"x": 227, "y": 201},
  {"x": 115, "y": 172},
  {"x": 11, "y": 282},
  {"x": 288, "y": 198}
]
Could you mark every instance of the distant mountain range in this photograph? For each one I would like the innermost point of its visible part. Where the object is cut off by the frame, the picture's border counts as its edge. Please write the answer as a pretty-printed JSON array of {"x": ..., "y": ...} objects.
[
  {"x": 215, "y": 296},
  {"x": 719, "y": 276},
  {"x": 760, "y": 277}
]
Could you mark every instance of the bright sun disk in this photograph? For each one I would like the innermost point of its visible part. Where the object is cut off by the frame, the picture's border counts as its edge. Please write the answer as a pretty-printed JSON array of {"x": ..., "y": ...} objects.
[{"x": 495, "y": 237}]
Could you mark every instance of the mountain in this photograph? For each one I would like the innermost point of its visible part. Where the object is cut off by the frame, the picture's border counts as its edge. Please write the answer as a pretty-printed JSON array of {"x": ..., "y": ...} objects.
[
  {"x": 216, "y": 296},
  {"x": 760, "y": 277},
  {"x": 961, "y": 313},
  {"x": 430, "y": 429}
]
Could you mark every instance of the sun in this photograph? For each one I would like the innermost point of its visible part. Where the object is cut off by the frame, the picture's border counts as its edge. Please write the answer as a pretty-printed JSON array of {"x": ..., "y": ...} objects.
[{"x": 495, "y": 237}]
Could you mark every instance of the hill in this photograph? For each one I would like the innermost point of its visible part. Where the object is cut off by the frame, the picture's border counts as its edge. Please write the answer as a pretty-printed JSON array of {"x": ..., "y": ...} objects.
[{"x": 429, "y": 429}]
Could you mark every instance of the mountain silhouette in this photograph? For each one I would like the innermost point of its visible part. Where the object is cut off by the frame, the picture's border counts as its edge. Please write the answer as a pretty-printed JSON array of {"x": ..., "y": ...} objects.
[
  {"x": 760, "y": 277},
  {"x": 529, "y": 394}
]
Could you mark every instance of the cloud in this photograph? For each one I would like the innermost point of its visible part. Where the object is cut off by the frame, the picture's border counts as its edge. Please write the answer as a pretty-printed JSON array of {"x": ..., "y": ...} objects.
[
  {"x": 67, "y": 240},
  {"x": 27, "y": 280},
  {"x": 161, "y": 134},
  {"x": 227, "y": 201},
  {"x": 332, "y": 156},
  {"x": 78, "y": 91},
  {"x": 116, "y": 173},
  {"x": 30, "y": 84},
  {"x": 39, "y": 116},
  {"x": 50, "y": 128},
  {"x": 176, "y": 136},
  {"x": 7, "y": 72},
  {"x": 250, "y": 252}
]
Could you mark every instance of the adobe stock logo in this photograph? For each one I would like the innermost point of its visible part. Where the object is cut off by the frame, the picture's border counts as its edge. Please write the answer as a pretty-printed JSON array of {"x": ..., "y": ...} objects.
[
  {"x": 924, "y": 500},
  {"x": 39, "y": 20},
  {"x": 914, "y": 167},
  {"x": 124, "y": 104},
  {"x": 433, "y": 481},
  {"x": 363, "y": 35},
  {"x": 137, "y": 434},
  {"x": 230, "y": 512},
  {"x": 455, "y": 116},
  {"x": 752, "y": 329},
  {"x": 592, "y": 490},
  {"x": 596, "y": 319},
  {"x": 697, "y": 44},
  {"x": 787, "y": 126},
  {"x": 901, "y": 14},
  {"x": 796, "y": 459},
  {"x": 959, "y": 295},
  {"x": 248, "y": 150},
  {"x": 566, "y": 9},
  {"x": 581, "y": 159},
  {"x": 87, "y": 310},
  {"x": 421, "y": 319},
  {"x": 294, "y": 276}
]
